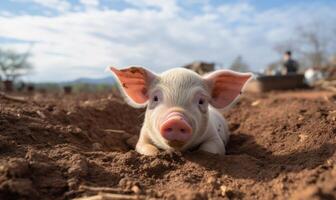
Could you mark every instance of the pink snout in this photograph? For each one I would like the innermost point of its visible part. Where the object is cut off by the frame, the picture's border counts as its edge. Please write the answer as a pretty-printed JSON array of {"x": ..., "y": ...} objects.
[{"x": 176, "y": 128}]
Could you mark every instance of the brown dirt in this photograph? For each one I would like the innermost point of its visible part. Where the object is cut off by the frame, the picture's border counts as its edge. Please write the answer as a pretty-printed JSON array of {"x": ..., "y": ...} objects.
[{"x": 283, "y": 146}]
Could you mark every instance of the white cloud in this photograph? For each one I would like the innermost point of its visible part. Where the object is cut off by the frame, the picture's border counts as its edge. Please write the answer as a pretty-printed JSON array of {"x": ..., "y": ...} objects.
[
  {"x": 90, "y": 3},
  {"x": 59, "y": 5},
  {"x": 167, "y": 6},
  {"x": 241, "y": 12},
  {"x": 76, "y": 44}
]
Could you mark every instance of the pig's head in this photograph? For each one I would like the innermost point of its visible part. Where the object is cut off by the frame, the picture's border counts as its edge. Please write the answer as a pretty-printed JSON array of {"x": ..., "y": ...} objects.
[{"x": 178, "y": 100}]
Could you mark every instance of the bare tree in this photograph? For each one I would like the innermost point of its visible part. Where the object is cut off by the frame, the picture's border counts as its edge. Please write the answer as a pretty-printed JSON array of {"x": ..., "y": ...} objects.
[
  {"x": 13, "y": 65},
  {"x": 288, "y": 45},
  {"x": 314, "y": 44},
  {"x": 239, "y": 65}
]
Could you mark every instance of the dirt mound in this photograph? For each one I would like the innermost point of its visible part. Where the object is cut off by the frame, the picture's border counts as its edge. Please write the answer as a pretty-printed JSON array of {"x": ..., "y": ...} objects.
[{"x": 52, "y": 147}]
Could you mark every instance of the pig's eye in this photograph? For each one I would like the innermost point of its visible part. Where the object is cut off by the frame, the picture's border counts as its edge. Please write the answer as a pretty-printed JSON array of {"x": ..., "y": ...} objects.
[
  {"x": 155, "y": 99},
  {"x": 202, "y": 103}
]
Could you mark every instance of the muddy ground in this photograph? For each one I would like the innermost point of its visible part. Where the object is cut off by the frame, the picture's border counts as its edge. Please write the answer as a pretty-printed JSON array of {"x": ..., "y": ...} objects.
[{"x": 63, "y": 147}]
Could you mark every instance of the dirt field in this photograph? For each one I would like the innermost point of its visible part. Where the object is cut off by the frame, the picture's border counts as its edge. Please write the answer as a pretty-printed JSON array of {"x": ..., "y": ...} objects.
[{"x": 55, "y": 147}]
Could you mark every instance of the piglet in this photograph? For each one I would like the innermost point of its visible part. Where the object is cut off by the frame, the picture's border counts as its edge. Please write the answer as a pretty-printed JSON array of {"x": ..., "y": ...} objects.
[{"x": 182, "y": 107}]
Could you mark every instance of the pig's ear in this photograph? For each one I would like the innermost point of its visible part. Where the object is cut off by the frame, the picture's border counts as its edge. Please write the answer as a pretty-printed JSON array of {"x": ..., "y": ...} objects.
[
  {"x": 225, "y": 86},
  {"x": 134, "y": 83}
]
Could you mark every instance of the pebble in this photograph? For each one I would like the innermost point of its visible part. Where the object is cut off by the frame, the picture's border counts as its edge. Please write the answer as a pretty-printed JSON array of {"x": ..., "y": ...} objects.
[
  {"x": 136, "y": 189},
  {"x": 302, "y": 137},
  {"x": 255, "y": 103},
  {"x": 97, "y": 146},
  {"x": 225, "y": 191},
  {"x": 79, "y": 166},
  {"x": 211, "y": 180}
]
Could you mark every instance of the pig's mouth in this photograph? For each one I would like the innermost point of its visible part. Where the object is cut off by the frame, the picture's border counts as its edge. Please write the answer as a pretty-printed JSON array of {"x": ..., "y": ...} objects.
[{"x": 176, "y": 129}]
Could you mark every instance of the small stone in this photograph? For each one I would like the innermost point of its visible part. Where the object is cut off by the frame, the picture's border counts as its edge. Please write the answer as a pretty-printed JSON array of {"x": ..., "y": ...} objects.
[
  {"x": 97, "y": 146},
  {"x": 302, "y": 137},
  {"x": 136, "y": 189},
  {"x": 50, "y": 108},
  {"x": 48, "y": 126},
  {"x": 129, "y": 184},
  {"x": 330, "y": 162},
  {"x": 77, "y": 130},
  {"x": 79, "y": 166},
  {"x": 255, "y": 103},
  {"x": 225, "y": 191},
  {"x": 211, "y": 180}
]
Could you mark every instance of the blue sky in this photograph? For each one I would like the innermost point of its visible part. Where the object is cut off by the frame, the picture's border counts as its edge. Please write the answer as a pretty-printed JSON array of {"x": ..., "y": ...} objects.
[{"x": 79, "y": 38}]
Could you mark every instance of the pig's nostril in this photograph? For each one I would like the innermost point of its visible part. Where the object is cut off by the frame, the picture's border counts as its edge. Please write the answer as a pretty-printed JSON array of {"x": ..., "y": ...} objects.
[
  {"x": 169, "y": 129},
  {"x": 182, "y": 130}
]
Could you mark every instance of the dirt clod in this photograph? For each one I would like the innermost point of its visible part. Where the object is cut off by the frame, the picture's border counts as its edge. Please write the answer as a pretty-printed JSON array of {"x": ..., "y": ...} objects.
[
  {"x": 79, "y": 166},
  {"x": 16, "y": 167},
  {"x": 97, "y": 146}
]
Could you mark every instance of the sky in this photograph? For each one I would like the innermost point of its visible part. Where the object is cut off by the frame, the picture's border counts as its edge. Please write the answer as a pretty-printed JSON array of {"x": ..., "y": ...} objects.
[{"x": 80, "y": 38}]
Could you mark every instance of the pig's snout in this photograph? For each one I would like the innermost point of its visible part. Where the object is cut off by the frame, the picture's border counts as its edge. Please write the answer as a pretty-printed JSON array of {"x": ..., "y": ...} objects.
[{"x": 176, "y": 128}]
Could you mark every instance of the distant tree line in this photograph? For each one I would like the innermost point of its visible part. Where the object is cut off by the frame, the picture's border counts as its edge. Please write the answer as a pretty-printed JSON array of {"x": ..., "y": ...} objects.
[
  {"x": 75, "y": 87},
  {"x": 14, "y": 65}
]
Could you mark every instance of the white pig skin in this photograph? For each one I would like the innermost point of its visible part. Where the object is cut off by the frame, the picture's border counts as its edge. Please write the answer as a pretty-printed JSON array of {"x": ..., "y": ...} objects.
[{"x": 183, "y": 91}]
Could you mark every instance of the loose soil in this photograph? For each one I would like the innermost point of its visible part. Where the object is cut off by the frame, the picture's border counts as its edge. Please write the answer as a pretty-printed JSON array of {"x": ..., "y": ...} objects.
[{"x": 62, "y": 147}]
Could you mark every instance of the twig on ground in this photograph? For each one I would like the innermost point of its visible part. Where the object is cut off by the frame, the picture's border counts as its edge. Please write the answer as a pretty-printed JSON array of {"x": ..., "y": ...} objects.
[
  {"x": 41, "y": 114},
  {"x": 114, "y": 131},
  {"x": 13, "y": 98},
  {"x": 107, "y": 193},
  {"x": 102, "y": 189},
  {"x": 111, "y": 196}
]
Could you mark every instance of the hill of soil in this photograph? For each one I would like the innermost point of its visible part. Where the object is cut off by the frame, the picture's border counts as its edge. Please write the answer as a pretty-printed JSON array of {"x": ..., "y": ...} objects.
[{"x": 61, "y": 147}]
